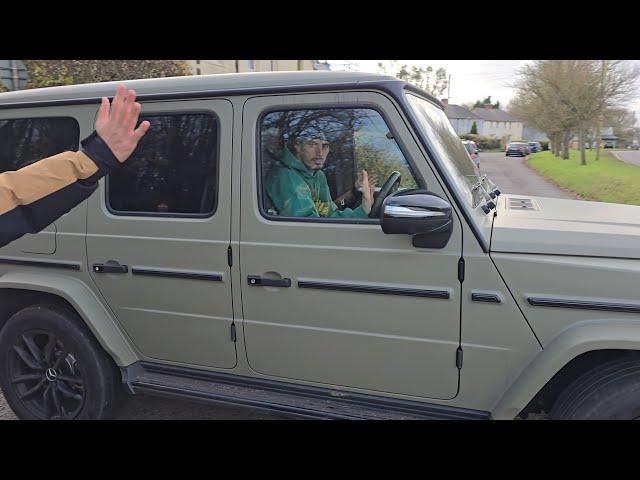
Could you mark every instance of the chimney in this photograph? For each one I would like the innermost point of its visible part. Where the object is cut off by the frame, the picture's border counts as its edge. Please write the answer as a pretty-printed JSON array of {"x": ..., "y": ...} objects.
[{"x": 445, "y": 102}]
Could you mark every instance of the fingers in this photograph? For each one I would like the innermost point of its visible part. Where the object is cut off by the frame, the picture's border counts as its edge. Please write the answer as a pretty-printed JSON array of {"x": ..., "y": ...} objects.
[
  {"x": 103, "y": 113},
  {"x": 118, "y": 106},
  {"x": 141, "y": 130},
  {"x": 131, "y": 111}
]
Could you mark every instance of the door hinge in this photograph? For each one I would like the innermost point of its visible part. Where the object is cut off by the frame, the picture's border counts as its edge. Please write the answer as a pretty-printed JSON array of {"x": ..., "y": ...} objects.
[
  {"x": 233, "y": 332},
  {"x": 459, "y": 357},
  {"x": 230, "y": 256},
  {"x": 461, "y": 270}
]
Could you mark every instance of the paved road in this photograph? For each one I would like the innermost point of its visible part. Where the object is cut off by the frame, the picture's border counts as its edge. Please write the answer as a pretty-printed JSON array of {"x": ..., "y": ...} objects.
[
  {"x": 512, "y": 175},
  {"x": 141, "y": 407},
  {"x": 630, "y": 156}
]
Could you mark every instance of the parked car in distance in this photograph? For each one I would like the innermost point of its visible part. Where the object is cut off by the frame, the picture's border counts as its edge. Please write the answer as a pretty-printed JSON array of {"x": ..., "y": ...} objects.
[
  {"x": 474, "y": 152},
  {"x": 517, "y": 149},
  {"x": 534, "y": 147},
  {"x": 635, "y": 146}
]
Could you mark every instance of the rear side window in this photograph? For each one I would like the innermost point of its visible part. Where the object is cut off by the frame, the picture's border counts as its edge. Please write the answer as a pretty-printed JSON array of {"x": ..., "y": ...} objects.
[
  {"x": 173, "y": 170},
  {"x": 24, "y": 141}
]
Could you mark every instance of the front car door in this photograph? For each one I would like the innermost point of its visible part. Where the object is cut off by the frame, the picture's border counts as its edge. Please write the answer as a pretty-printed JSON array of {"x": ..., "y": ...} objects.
[
  {"x": 327, "y": 297},
  {"x": 158, "y": 234}
]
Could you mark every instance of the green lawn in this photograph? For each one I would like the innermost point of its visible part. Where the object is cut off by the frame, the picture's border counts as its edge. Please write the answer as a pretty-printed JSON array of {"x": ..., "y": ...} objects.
[{"x": 605, "y": 180}]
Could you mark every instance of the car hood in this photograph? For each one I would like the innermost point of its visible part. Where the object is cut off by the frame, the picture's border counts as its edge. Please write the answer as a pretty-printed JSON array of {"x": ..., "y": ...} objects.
[{"x": 527, "y": 224}]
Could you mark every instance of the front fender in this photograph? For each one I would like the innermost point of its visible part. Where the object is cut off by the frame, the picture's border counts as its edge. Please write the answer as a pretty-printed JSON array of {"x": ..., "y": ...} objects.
[
  {"x": 85, "y": 302},
  {"x": 578, "y": 338}
]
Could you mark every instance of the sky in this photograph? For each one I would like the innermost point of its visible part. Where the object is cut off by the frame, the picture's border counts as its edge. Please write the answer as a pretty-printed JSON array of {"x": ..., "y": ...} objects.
[{"x": 471, "y": 80}]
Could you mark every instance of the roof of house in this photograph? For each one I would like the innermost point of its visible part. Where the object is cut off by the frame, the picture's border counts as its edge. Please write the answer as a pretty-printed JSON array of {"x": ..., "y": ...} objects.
[
  {"x": 494, "y": 115},
  {"x": 457, "y": 111}
]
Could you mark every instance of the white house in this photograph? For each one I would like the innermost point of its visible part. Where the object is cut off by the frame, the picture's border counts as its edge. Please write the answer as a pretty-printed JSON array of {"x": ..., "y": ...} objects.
[
  {"x": 498, "y": 123},
  {"x": 461, "y": 118}
]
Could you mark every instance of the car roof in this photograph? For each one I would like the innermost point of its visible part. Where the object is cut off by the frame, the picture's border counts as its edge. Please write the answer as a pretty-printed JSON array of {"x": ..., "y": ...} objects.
[{"x": 200, "y": 83}]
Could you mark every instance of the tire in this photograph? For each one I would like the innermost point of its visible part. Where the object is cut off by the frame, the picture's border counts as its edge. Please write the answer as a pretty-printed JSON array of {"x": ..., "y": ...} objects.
[
  {"x": 608, "y": 392},
  {"x": 40, "y": 381}
]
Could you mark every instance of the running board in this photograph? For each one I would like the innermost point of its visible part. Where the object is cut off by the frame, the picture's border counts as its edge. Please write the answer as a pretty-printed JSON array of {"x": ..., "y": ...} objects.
[{"x": 292, "y": 399}]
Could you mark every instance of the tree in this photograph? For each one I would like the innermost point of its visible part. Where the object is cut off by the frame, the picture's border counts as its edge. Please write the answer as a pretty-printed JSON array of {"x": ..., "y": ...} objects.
[
  {"x": 474, "y": 129},
  {"x": 564, "y": 97},
  {"x": 50, "y": 73},
  {"x": 486, "y": 101},
  {"x": 433, "y": 82}
]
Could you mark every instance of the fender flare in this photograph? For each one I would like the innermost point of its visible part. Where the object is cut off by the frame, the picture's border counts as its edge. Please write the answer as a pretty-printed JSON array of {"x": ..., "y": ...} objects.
[
  {"x": 576, "y": 339},
  {"x": 90, "y": 308}
]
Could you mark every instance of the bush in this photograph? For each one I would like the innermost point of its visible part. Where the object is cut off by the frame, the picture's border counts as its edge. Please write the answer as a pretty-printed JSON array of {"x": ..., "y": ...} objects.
[{"x": 483, "y": 143}]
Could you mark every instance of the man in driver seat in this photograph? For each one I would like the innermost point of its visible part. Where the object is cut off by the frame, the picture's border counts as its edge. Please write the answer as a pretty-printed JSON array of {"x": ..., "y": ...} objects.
[{"x": 298, "y": 187}]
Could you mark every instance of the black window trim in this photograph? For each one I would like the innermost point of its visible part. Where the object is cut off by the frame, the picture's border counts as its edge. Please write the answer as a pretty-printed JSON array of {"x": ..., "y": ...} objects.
[
  {"x": 36, "y": 117},
  {"x": 216, "y": 117},
  {"x": 323, "y": 106}
]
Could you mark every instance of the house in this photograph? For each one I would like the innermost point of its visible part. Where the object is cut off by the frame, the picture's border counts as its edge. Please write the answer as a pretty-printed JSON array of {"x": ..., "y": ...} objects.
[
  {"x": 532, "y": 134},
  {"x": 206, "y": 67},
  {"x": 498, "y": 124},
  {"x": 461, "y": 118},
  {"x": 607, "y": 139}
]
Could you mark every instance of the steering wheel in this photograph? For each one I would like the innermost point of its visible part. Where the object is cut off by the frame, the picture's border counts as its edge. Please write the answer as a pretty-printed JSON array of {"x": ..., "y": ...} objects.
[{"x": 390, "y": 186}]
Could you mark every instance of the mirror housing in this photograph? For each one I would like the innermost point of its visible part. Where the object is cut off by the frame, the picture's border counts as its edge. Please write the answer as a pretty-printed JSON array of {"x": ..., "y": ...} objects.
[{"x": 420, "y": 213}]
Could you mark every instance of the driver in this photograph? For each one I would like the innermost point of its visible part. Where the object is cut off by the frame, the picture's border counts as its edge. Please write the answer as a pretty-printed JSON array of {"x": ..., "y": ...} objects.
[{"x": 298, "y": 187}]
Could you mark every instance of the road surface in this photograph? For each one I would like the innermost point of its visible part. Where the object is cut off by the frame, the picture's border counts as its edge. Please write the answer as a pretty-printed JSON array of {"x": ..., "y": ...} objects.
[
  {"x": 630, "y": 156},
  {"x": 512, "y": 175}
]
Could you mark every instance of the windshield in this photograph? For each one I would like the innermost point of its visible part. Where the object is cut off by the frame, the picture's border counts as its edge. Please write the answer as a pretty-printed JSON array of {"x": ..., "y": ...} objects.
[{"x": 449, "y": 147}]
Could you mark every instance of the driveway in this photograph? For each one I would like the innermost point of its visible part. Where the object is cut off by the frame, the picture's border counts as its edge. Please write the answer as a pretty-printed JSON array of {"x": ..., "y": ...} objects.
[
  {"x": 630, "y": 156},
  {"x": 512, "y": 175}
]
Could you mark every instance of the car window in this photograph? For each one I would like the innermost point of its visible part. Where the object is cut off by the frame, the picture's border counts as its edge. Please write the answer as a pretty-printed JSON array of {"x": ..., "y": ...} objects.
[
  {"x": 311, "y": 161},
  {"x": 26, "y": 140},
  {"x": 173, "y": 171}
]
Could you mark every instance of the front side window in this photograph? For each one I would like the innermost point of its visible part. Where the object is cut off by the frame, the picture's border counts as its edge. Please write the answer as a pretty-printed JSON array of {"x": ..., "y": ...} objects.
[
  {"x": 313, "y": 162},
  {"x": 24, "y": 141},
  {"x": 172, "y": 171}
]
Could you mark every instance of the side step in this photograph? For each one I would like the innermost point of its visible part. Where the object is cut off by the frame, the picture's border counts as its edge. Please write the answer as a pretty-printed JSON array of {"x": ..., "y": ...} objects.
[{"x": 292, "y": 399}]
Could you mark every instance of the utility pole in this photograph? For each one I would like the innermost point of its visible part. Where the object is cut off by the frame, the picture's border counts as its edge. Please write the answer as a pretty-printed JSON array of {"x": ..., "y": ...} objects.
[{"x": 449, "y": 89}]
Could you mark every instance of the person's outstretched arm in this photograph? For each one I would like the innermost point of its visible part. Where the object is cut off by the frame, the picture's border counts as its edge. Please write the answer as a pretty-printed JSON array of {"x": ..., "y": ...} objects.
[{"x": 35, "y": 196}]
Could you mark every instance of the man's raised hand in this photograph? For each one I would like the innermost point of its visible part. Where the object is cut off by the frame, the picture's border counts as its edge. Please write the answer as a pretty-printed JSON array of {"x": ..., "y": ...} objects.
[{"x": 116, "y": 123}]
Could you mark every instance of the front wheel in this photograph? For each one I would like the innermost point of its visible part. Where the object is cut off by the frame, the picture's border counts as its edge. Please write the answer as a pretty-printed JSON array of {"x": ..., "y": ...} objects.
[
  {"x": 608, "y": 392},
  {"x": 52, "y": 368}
]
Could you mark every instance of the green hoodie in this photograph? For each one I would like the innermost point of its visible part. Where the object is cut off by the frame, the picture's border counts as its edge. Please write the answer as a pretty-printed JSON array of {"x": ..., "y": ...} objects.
[{"x": 297, "y": 191}]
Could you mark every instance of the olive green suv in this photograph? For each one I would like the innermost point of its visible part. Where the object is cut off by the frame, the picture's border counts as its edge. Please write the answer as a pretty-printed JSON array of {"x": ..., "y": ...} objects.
[{"x": 316, "y": 243}]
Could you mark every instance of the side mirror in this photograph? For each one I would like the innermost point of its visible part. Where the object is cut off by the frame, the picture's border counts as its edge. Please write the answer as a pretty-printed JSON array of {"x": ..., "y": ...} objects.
[{"x": 420, "y": 213}]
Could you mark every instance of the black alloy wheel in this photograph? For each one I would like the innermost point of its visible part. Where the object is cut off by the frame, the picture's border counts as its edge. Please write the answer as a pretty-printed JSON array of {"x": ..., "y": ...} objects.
[
  {"x": 53, "y": 368},
  {"x": 46, "y": 376}
]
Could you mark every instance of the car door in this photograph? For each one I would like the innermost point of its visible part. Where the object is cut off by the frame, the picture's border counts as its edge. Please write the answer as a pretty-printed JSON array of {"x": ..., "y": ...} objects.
[
  {"x": 158, "y": 234},
  {"x": 334, "y": 300}
]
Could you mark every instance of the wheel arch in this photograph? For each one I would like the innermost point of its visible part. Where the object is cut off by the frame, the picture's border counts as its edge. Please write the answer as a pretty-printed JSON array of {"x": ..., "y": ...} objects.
[
  {"x": 573, "y": 351},
  {"x": 21, "y": 290}
]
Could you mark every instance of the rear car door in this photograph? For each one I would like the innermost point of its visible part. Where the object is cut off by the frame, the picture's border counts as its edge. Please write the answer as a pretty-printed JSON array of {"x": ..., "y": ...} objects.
[{"x": 158, "y": 233}]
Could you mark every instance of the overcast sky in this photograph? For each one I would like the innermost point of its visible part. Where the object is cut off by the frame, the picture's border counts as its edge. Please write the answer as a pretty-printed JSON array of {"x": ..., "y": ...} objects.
[{"x": 471, "y": 80}]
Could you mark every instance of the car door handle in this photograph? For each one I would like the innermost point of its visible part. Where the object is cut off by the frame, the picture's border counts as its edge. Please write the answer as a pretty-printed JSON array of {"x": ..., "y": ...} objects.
[
  {"x": 110, "y": 267},
  {"x": 258, "y": 281}
]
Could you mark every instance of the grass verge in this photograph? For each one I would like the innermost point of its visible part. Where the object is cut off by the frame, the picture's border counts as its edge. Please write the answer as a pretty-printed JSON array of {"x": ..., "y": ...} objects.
[{"x": 605, "y": 180}]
